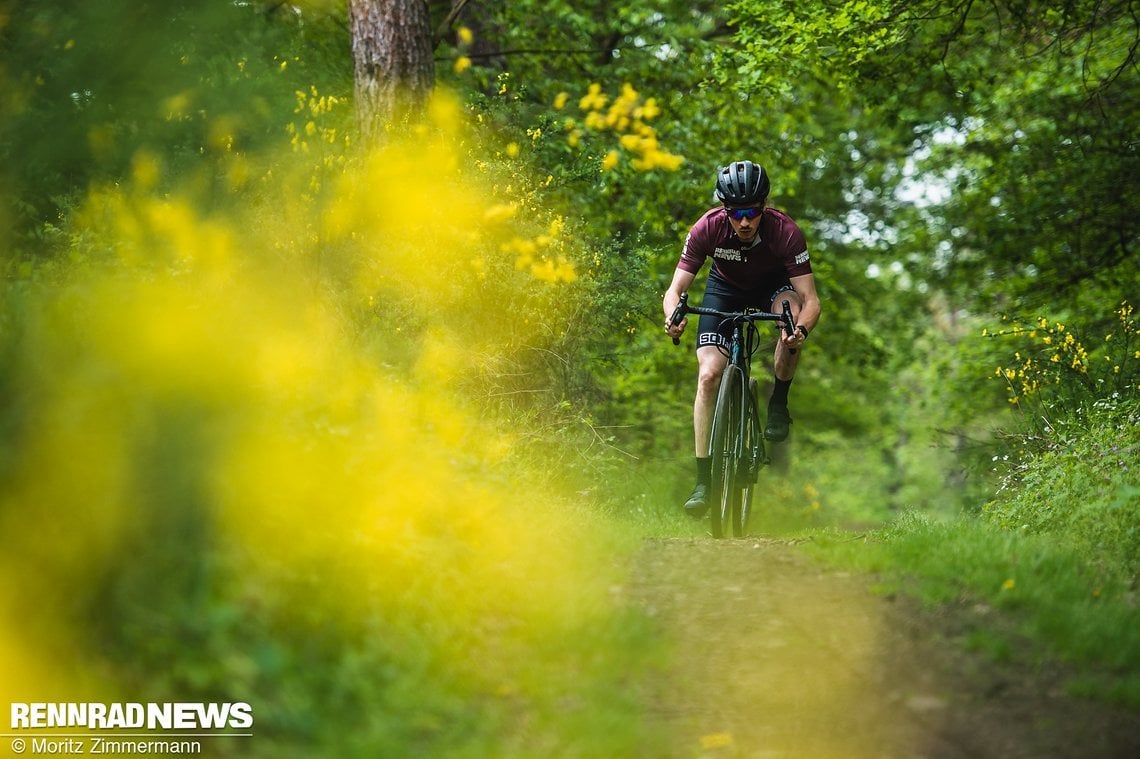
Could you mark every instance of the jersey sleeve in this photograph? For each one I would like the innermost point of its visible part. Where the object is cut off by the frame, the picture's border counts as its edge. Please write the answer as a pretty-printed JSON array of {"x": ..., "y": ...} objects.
[
  {"x": 696, "y": 248},
  {"x": 798, "y": 261}
]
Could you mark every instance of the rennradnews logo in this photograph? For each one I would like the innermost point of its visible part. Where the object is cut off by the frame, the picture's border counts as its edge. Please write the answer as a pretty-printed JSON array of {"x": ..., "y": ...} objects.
[{"x": 119, "y": 716}]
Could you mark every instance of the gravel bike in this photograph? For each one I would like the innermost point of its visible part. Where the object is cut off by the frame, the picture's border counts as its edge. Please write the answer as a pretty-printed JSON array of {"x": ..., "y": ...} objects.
[{"x": 736, "y": 445}]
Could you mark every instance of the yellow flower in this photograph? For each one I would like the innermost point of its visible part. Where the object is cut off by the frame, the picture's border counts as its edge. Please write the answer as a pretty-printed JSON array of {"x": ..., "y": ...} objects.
[
  {"x": 464, "y": 34},
  {"x": 500, "y": 212},
  {"x": 594, "y": 100},
  {"x": 560, "y": 100},
  {"x": 630, "y": 141},
  {"x": 610, "y": 161},
  {"x": 549, "y": 271},
  {"x": 462, "y": 63},
  {"x": 595, "y": 120},
  {"x": 1009, "y": 584},
  {"x": 145, "y": 169},
  {"x": 659, "y": 159},
  {"x": 716, "y": 740},
  {"x": 650, "y": 110}
]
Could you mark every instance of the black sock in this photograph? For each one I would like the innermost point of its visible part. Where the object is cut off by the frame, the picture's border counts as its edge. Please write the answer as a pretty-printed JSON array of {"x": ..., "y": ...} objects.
[
  {"x": 780, "y": 392},
  {"x": 704, "y": 471}
]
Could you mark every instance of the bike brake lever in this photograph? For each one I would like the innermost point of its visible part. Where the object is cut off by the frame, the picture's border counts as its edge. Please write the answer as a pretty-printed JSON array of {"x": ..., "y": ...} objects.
[
  {"x": 678, "y": 315},
  {"x": 789, "y": 325}
]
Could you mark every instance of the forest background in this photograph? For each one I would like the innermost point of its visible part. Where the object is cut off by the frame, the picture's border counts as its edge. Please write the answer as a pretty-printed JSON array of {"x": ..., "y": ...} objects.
[{"x": 310, "y": 421}]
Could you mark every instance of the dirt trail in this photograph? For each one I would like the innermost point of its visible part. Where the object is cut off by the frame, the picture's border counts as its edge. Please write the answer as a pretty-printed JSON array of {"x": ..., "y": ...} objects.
[{"x": 777, "y": 657}]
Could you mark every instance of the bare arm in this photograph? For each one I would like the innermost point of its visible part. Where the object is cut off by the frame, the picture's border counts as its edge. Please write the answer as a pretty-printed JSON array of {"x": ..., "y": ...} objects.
[
  {"x": 680, "y": 284},
  {"x": 807, "y": 315},
  {"x": 810, "y": 307}
]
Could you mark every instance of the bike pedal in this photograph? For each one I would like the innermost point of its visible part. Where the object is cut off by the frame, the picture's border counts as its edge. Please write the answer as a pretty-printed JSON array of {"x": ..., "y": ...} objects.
[{"x": 758, "y": 464}]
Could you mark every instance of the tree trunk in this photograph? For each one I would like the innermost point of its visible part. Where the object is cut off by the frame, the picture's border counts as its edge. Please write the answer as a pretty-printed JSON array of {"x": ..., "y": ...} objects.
[{"x": 392, "y": 58}]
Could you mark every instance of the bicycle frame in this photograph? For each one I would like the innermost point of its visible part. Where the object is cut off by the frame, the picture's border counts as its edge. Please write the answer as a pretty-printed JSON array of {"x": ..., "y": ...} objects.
[{"x": 736, "y": 441}]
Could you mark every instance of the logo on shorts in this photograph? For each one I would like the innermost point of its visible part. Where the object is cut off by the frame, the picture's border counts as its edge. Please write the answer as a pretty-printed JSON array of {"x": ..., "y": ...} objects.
[{"x": 711, "y": 338}]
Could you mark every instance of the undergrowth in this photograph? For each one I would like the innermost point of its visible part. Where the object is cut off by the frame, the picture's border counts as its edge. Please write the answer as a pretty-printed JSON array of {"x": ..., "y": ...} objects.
[
  {"x": 1056, "y": 548},
  {"x": 1079, "y": 479}
]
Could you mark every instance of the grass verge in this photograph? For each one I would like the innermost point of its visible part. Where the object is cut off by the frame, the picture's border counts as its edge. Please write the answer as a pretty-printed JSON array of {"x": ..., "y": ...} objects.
[{"x": 1056, "y": 601}]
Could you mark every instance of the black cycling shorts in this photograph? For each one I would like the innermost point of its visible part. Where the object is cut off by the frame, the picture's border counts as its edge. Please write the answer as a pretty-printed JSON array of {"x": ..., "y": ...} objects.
[{"x": 722, "y": 296}]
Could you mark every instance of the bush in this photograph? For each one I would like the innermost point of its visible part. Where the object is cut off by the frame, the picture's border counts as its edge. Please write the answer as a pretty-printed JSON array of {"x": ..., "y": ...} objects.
[
  {"x": 1071, "y": 469},
  {"x": 1079, "y": 478}
]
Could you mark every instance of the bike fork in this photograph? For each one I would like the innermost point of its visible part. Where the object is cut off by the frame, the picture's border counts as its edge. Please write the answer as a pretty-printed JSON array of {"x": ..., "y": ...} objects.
[{"x": 756, "y": 457}]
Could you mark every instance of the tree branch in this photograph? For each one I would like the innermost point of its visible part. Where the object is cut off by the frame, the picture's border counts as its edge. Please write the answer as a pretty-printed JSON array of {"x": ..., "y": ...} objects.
[{"x": 445, "y": 25}]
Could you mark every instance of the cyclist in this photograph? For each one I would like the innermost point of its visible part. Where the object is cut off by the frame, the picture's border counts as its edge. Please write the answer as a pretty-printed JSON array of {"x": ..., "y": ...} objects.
[{"x": 759, "y": 259}]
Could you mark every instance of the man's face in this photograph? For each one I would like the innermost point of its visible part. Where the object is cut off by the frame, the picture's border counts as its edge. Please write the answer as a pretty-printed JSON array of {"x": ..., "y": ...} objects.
[{"x": 745, "y": 221}]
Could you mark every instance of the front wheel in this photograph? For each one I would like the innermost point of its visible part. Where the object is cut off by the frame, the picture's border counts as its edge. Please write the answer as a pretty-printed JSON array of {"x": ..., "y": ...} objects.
[
  {"x": 752, "y": 448},
  {"x": 725, "y": 450}
]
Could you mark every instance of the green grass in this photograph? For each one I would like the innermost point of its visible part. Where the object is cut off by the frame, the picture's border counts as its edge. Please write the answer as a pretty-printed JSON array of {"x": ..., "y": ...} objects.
[
  {"x": 1054, "y": 553},
  {"x": 1080, "y": 478},
  {"x": 1054, "y": 599}
]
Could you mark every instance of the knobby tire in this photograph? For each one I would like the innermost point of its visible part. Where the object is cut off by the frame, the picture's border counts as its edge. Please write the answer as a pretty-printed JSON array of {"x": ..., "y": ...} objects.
[
  {"x": 725, "y": 451},
  {"x": 754, "y": 455}
]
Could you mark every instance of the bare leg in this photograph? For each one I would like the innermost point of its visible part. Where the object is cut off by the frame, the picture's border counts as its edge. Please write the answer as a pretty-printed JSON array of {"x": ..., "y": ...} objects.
[{"x": 711, "y": 363}]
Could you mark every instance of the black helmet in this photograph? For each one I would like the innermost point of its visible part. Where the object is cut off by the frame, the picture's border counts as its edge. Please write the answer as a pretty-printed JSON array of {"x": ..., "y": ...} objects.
[{"x": 742, "y": 183}]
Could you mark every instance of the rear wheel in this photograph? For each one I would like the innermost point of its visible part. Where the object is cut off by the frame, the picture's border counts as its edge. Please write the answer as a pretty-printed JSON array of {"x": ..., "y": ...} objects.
[{"x": 724, "y": 449}]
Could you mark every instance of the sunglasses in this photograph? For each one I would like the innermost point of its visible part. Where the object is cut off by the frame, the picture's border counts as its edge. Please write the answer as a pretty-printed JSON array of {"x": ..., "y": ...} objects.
[{"x": 740, "y": 214}]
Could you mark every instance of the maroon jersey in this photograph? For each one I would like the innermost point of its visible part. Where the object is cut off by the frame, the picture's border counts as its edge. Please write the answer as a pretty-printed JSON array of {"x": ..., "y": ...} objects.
[{"x": 779, "y": 248}]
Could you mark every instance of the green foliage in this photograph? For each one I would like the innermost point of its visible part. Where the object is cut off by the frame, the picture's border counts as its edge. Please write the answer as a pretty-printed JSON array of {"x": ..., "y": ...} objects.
[
  {"x": 160, "y": 159},
  {"x": 93, "y": 87},
  {"x": 258, "y": 508},
  {"x": 1056, "y": 599},
  {"x": 1058, "y": 371},
  {"x": 1078, "y": 478},
  {"x": 780, "y": 41},
  {"x": 225, "y": 399},
  {"x": 1071, "y": 468},
  {"x": 1019, "y": 113}
]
